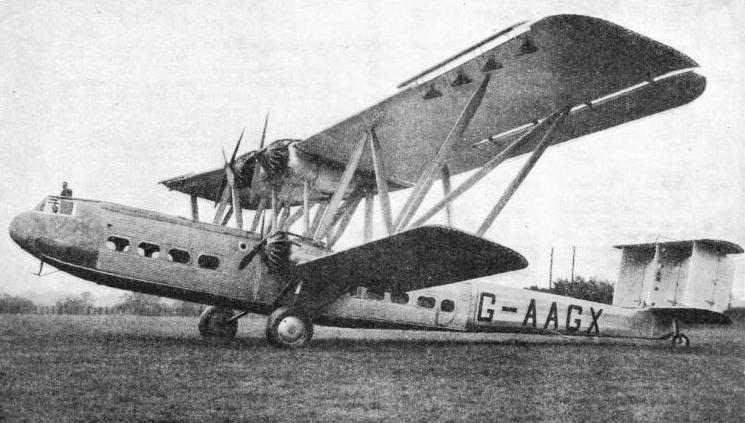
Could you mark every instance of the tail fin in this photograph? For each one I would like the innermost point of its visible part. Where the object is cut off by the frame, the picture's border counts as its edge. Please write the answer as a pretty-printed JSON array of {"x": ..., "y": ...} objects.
[{"x": 688, "y": 275}]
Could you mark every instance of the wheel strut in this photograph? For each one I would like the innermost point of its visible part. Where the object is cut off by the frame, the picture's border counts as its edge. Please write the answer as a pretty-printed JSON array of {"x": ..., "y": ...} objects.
[{"x": 678, "y": 339}]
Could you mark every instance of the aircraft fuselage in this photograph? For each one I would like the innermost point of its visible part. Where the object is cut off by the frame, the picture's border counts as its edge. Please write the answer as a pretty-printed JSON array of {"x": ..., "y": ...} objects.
[{"x": 149, "y": 252}]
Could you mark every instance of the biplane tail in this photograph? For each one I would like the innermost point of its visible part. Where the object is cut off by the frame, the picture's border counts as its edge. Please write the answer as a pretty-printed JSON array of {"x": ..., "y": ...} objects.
[{"x": 686, "y": 280}]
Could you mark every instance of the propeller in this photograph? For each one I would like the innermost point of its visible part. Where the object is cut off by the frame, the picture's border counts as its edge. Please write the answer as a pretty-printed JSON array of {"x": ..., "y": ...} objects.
[
  {"x": 228, "y": 164},
  {"x": 244, "y": 171},
  {"x": 238, "y": 169}
]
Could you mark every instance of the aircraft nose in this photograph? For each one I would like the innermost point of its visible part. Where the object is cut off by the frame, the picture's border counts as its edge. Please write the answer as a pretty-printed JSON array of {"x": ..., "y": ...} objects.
[{"x": 22, "y": 229}]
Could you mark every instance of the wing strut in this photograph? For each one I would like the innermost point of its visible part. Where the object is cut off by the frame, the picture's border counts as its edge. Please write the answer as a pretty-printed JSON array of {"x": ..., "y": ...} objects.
[
  {"x": 344, "y": 220},
  {"x": 257, "y": 214},
  {"x": 351, "y": 202},
  {"x": 385, "y": 202},
  {"x": 489, "y": 166},
  {"x": 306, "y": 207},
  {"x": 341, "y": 189},
  {"x": 425, "y": 181},
  {"x": 194, "y": 208},
  {"x": 520, "y": 177},
  {"x": 275, "y": 209},
  {"x": 293, "y": 218},
  {"x": 221, "y": 208},
  {"x": 237, "y": 209},
  {"x": 322, "y": 205},
  {"x": 368, "y": 230},
  {"x": 226, "y": 219},
  {"x": 283, "y": 215},
  {"x": 445, "y": 192}
]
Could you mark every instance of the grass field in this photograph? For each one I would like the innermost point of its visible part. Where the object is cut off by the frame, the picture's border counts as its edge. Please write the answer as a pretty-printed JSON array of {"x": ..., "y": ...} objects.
[{"x": 130, "y": 368}]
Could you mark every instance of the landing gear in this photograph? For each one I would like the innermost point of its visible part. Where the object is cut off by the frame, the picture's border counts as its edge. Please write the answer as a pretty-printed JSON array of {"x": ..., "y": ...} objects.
[
  {"x": 287, "y": 328},
  {"x": 218, "y": 322},
  {"x": 680, "y": 340},
  {"x": 677, "y": 338}
]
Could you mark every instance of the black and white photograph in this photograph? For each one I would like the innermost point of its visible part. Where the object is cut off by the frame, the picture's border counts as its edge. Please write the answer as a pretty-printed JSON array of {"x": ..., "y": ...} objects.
[{"x": 372, "y": 211}]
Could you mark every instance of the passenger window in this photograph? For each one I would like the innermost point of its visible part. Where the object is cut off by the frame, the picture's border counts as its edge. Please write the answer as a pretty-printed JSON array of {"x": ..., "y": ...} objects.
[
  {"x": 208, "y": 262},
  {"x": 426, "y": 302},
  {"x": 354, "y": 291},
  {"x": 178, "y": 256},
  {"x": 114, "y": 243},
  {"x": 374, "y": 295},
  {"x": 145, "y": 249},
  {"x": 447, "y": 305},
  {"x": 400, "y": 298}
]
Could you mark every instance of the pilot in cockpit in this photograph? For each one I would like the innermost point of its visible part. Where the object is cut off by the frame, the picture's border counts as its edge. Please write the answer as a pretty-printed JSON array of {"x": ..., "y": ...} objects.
[{"x": 66, "y": 192}]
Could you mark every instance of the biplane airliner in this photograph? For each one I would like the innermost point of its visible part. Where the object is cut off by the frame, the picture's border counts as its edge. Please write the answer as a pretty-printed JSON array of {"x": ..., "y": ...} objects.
[{"x": 531, "y": 86}]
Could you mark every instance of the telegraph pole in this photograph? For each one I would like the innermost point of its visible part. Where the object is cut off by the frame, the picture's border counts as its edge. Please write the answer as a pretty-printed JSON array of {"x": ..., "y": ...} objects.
[{"x": 551, "y": 269}]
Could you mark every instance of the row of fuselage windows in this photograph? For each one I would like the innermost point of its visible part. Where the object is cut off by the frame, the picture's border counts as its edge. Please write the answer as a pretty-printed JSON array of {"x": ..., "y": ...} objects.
[
  {"x": 400, "y": 298},
  {"x": 174, "y": 255}
]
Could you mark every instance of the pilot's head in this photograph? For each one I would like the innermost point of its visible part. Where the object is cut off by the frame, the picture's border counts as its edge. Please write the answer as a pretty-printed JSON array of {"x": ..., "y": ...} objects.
[{"x": 64, "y": 184}]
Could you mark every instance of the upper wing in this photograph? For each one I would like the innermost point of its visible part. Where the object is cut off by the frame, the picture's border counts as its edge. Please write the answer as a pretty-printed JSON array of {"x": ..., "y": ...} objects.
[
  {"x": 559, "y": 61},
  {"x": 418, "y": 258},
  {"x": 203, "y": 185}
]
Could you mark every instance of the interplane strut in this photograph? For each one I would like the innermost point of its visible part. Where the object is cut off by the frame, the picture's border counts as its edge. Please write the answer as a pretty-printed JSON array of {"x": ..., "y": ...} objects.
[
  {"x": 336, "y": 199},
  {"x": 428, "y": 176},
  {"x": 488, "y": 167},
  {"x": 522, "y": 174}
]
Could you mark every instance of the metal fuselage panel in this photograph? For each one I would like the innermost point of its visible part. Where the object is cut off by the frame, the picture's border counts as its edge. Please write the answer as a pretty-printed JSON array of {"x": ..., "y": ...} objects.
[
  {"x": 423, "y": 310},
  {"x": 76, "y": 236},
  {"x": 483, "y": 306},
  {"x": 84, "y": 241},
  {"x": 225, "y": 281}
]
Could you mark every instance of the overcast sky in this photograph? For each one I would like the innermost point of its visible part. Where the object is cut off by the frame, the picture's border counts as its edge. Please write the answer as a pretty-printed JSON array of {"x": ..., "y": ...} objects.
[{"x": 116, "y": 96}]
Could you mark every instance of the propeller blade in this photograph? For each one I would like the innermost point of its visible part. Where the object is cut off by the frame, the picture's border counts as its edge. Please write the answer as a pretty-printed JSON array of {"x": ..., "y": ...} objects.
[
  {"x": 235, "y": 152},
  {"x": 223, "y": 180},
  {"x": 220, "y": 188},
  {"x": 261, "y": 233},
  {"x": 251, "y": 254},
  {"x": 263, "y": 133},
  {"x": 257, "y": 165}
]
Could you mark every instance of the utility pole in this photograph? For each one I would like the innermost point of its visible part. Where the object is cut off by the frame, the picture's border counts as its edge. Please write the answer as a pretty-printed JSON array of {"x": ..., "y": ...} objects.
[
  {"x": 551, "y": 269},
  {"x": 574, "y": 252}
]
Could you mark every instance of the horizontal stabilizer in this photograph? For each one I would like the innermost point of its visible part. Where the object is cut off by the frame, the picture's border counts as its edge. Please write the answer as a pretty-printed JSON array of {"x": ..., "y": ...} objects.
[
  {"x": 692, "y": 315},
  {"x": 415, "y": 259}
]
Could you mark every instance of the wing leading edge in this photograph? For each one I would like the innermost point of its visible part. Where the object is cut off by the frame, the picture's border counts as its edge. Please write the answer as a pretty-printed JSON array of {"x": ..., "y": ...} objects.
[{"x": 419, "y": 258}]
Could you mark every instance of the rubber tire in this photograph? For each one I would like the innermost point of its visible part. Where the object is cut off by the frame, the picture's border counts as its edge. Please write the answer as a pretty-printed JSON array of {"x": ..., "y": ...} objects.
[
  {"x": 213, "y": 323},
  {"x": 680, "y": 341},
  {"x": 276, "y": 318}
]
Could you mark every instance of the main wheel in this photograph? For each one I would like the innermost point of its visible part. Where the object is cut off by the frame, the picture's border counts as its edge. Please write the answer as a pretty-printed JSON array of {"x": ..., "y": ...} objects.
[
  {"x": 215, "y": 323},
  {"x": 288, "y": 328},
  {"x": 680, "y": 340}
]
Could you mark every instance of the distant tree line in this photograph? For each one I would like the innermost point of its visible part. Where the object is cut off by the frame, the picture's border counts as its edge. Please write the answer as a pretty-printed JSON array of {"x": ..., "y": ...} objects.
[
  {"x": 736, "y": 313},
  {"x": 591, "y": 289},
  {"x": 131, "y": 303},
  {"x": 10, "y": 304},
  {"x": 151, "y": 305}
]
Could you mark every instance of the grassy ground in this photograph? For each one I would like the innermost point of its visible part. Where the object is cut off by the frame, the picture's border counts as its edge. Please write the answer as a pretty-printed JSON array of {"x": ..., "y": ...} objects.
[{"x": 104, "y": 368}]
